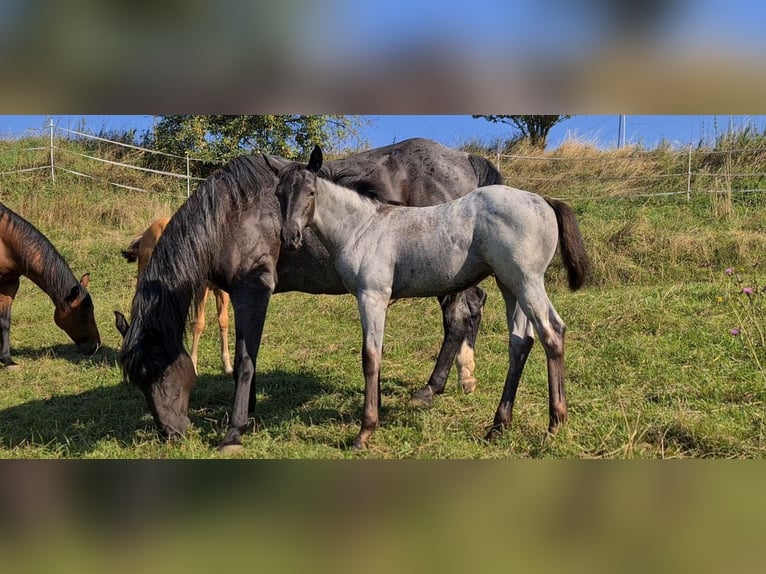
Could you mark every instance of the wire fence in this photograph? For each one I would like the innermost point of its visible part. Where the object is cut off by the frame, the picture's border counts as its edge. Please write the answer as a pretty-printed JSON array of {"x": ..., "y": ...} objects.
[
  {"x": 60, "y": 152},
  {"x": 636, "y": 173},
  {"x": 591, "y": 174}
]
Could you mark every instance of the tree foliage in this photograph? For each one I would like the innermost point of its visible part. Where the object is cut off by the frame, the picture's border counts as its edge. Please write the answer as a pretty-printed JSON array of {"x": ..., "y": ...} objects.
[
  {"x": 220, "y": 138},
  {"x": 534, "y": 128}
]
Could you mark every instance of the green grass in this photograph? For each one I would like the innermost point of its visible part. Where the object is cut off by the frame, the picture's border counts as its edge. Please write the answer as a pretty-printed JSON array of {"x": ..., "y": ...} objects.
[{"x": 652, "y": 371}]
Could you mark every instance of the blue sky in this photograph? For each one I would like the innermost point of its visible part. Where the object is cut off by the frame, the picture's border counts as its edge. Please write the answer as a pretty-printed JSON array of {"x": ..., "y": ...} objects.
[{"x": 454, "y": 130}]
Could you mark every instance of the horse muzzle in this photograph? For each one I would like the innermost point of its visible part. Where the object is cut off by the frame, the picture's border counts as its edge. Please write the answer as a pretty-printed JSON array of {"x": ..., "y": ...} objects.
[
  {"x": 292, "y": 238},
  {"x": 89, "y": 348}
]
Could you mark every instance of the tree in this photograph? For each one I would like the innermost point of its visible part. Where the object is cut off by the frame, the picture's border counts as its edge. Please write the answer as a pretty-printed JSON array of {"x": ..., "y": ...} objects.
[
  {"x": 220, "y": 138},
  {"x": 534, "y": 128}
]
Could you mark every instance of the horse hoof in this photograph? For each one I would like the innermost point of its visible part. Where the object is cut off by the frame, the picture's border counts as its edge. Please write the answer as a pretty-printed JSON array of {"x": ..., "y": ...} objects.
[
  {"x": 469, "y": 384},
  {"x": 231, "y": 448},
  {"x": 423, "y": 398},
  {"x": 359, "y": 445},
  {"x": 13, "y": 367},
  {"x": 494, "y": 433}
]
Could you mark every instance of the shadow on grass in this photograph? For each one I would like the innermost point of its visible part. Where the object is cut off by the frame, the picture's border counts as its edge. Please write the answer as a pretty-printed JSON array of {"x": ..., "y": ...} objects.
[
  {"x": 105, "y": 356},
  {"x": 282, "y": 396},
  {"x": 74, "y": 425}
]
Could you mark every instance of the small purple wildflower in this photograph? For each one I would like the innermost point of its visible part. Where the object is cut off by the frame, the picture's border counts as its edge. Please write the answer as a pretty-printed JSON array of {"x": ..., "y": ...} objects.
[
  {"x": 747, "y": 290},
  {"x": 729, "y": 271},
  {"x": 734, "y": 332}
]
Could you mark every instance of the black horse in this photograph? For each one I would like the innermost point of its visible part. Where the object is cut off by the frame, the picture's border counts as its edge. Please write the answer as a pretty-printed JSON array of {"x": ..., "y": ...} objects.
[{"x": 228, "y": 232}]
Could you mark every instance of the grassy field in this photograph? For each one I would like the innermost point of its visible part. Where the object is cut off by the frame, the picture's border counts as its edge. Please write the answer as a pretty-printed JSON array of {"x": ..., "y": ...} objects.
[{"x": 652, "y": 369}]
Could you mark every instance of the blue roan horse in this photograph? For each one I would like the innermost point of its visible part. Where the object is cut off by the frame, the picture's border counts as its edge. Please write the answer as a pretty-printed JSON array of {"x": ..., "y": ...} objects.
[
  {"x": 228, "y": 232},
  {"x": 383, "y": 253}
]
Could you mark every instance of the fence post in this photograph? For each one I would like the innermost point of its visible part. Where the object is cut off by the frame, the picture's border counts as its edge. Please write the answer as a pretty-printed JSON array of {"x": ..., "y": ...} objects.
[
  {"x": 53, "y": 175},
  {"x": 689, "y": 175},
  {"x": 188, "y": 176}
]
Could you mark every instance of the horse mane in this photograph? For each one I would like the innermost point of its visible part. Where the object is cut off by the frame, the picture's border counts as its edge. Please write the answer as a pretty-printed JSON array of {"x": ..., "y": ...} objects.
[
  {"x": 35, "y": 251},
  {"x": 486, "y": 173},
  {"x": 183, "y": 258},
  {"x": 345, "y": 177}
]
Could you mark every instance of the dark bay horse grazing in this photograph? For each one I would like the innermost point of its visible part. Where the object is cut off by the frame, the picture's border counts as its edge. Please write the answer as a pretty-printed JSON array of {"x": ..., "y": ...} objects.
[
  {"x": 384, "y": 253},
  {"x": 228, "y": 232},
  {"x": 140, "y": 250},
  {"x": 26, "y": 251}
]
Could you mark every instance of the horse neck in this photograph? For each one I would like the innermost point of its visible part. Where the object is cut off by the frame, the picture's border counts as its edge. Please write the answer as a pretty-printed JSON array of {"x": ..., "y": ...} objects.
[
  {"x": 41, "y": 263},
  {"x": 338, "y": 212}
]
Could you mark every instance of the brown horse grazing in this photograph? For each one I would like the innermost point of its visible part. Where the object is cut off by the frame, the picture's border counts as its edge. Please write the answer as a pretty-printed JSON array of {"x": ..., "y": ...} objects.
[
  {"x": 26, "y": 251},
  {"x": 140, "y": 250}
]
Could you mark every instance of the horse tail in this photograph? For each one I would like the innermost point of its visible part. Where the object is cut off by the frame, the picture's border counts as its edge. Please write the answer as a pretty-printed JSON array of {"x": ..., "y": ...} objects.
[
  {"x": 131, "y": 253},
  {"x": 573, "y": 253},
  {"x": 486, "y": 173}
]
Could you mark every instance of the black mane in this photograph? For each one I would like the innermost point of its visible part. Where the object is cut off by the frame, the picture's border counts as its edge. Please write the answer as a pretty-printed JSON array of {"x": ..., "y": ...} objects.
[{"x": 184, "y": 258}]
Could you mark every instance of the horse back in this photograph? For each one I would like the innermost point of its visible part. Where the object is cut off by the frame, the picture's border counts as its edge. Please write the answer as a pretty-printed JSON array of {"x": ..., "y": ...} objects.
[{"x": 416, "y": 172}]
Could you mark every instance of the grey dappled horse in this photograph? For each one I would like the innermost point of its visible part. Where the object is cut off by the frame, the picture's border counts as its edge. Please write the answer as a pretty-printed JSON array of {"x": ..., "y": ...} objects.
[
  {"x": 382, "y": 253},
  {"x": 228, "y": 232}
]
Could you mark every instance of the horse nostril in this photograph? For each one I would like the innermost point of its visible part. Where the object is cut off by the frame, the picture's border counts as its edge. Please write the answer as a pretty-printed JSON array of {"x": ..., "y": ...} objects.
[{"x": 291, "y": 238}]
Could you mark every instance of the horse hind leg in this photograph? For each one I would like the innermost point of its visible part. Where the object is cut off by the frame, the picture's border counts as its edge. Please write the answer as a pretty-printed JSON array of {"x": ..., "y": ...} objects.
[
  {"x": 521, "y": 340},
  {"x": 222, "y": 307},
  {"x": 198, "y": 323},
  {"x": 456, "y": 320},
  {"x": 551, "y": 330},
  {"x": 465, "y": 362}
]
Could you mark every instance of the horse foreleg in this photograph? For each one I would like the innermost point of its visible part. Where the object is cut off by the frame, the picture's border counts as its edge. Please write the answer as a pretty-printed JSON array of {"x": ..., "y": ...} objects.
[
  {"x": 7, "y": 293},
  {"x": 250, "y": 306},
  {"x": 521, "y": 340},
  {"x": 372, "y": 310},
  {"x": 222, "y": 307},
  {"x": 198, "y": 325}
]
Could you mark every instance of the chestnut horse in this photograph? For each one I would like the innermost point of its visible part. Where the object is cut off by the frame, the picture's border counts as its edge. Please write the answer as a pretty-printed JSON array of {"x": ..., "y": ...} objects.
[
  {"x": 140, "y": 250},
  {"x": 26, "y": 251}
]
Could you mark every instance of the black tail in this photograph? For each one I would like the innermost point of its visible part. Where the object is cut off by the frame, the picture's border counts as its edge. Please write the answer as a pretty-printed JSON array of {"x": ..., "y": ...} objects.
[
  {"x": 486, "y": 173},
  {"x": 576, "y": 259}
]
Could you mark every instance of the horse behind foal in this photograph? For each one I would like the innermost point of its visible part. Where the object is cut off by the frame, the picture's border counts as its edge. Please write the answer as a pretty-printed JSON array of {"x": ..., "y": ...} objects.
[
  {"x": 140, "y": 250},
  {"x": 384, "y": 253},
  {"x": 26, "y": 251}
]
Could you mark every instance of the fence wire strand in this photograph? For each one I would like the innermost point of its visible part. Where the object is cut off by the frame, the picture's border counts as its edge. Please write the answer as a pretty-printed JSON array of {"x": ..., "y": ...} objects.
[{"x": 688, "y": 175}]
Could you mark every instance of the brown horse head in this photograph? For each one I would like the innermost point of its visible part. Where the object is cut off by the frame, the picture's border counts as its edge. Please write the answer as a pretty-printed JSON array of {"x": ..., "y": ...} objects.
[
  {"x": 75, "y": 316},
  {"x": 165, "y": 381}
]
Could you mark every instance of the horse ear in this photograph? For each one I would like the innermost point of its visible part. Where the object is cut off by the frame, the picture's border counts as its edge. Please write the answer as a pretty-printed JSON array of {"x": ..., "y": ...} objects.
[
  {"x": 275, "y": 163},
  {"x": 121, "y": 323},
  {"x": 85, "y": 280},
  {"x": 315, "y": 161}
]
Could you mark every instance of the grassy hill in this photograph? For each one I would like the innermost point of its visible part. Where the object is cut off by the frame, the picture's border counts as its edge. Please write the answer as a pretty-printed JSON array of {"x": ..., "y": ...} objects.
[{"x": 652, "y": 369}]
